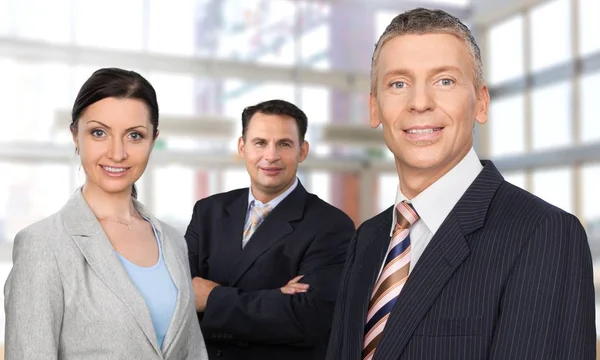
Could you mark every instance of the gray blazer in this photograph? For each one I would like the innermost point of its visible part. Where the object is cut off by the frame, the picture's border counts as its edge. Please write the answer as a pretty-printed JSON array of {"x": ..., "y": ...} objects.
[{"x": 69, "y": 297}]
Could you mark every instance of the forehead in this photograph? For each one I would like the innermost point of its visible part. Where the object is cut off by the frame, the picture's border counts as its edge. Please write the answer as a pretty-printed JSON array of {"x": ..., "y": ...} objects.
[
  {"x": 118, "y": 112},
  {"x": 422, "y": 52},
  {"x": 267, "y": 126}
]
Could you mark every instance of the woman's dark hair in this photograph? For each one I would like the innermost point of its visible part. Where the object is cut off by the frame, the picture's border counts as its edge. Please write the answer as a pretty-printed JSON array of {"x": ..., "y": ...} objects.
[{"x": 115, "y": 83}]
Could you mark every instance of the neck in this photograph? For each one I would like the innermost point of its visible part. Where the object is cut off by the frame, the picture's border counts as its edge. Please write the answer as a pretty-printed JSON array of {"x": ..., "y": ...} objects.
[
  {"x": 266, "y": 196},
  {"x": 414, "y": 180},
  {"x": 117, "y": 206}
]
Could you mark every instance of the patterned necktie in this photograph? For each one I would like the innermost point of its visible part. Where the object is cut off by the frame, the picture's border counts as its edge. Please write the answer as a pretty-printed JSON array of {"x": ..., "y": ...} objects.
[
  {"x": 391, "y": 280},
  {"x": 257, "y": 214}
]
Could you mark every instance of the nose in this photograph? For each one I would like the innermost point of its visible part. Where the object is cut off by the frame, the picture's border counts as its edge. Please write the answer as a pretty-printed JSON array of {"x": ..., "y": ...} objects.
[
  {"x": 421, "y": 99},
  {"x": 271, "y": 153},
  {"x": 117, "y": 151}
]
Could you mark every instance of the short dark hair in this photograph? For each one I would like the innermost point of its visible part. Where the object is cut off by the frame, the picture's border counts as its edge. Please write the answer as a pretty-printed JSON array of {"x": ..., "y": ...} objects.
[
  {"x": 276, "y": 107},
  {"x": 115, "y": 83}
]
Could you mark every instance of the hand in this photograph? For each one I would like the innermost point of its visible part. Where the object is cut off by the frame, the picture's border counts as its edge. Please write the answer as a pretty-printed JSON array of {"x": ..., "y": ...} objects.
[
  {"x": 202, "y": 289},
  {"x": 294, "y": 287}
]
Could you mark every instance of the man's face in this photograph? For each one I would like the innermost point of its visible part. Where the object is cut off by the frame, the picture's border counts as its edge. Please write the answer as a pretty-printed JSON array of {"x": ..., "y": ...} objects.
[
  {"x": 427, "y": 102},
  {"x": 272, "y": 151}
]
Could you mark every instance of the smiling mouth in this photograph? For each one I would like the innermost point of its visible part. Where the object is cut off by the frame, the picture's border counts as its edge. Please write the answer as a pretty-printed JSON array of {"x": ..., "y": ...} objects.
[
  {"x": 423, "y": 131},
  {"x": 114, "y": 170}
]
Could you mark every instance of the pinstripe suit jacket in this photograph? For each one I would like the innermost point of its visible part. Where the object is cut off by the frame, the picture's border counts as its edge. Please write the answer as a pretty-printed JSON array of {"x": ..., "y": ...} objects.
[
  {"x": 69, "y": 297},
  {"x": 507, "y": 276}
]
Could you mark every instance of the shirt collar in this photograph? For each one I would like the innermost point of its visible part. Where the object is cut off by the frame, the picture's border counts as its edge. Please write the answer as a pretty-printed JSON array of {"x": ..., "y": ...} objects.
[
  {"x": 273, "y": 203},
  {"x": 435, "y": 203}
]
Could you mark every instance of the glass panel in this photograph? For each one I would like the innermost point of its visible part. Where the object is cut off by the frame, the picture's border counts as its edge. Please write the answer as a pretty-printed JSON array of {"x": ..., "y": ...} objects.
[
  {"x": 113, "y": 24},
  {"x": 506, "y": 50},
  {"x": 49, "y": 21},
  {"x": 590, "y": 112},
  {"x": 175, "y": 93},
  {"x": 24, "y": 84},
  {"x": 552, "y": 116},
  {"x": 382, "y": 19},
  {"x": 31, "y": 193},
  {"x": 550, "y": 21},
  {"x": 507, "y": 126},
  {"x": 174, "y": 195},
  {"x": 235, "y": 179},
  {"x": 387, "y": 188},
  {"x": 516, "y": 178},
  {"x": 590, "y": 174},
  {"x": 589, "y": 27},
  {"x": 171, "y": 26},
  {"x": 320, "y": 184},
  {"x": 5, "y": 16},
  {"x": 555, "y": 186}
]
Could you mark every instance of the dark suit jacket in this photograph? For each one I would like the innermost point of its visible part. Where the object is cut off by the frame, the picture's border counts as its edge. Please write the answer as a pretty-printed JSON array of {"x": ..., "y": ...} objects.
[
  {"x": 506, "y": 276},
  {"x": 248, "y": 317}
]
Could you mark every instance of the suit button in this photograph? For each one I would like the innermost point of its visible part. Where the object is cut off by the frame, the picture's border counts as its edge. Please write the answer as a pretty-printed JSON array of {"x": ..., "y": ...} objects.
[{"x": 219, "y": 353}]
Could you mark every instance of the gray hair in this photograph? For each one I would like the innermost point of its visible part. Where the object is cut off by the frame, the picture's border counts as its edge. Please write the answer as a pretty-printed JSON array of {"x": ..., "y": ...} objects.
[{"x": 424, "y": 21}]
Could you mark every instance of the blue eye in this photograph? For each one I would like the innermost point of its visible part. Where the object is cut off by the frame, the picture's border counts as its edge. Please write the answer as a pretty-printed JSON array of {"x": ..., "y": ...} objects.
[
  {"x": 398, "y": 84},
  {"x": 446, "y": 82}
]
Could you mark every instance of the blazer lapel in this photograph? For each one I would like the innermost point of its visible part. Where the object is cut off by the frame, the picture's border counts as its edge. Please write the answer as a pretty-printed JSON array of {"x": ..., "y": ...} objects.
[
  {"x": 273, "y": 229},
  {"x": 175, "y": 266},
  {"x": 440, "y": 260},
  {"x": 91, "y": 240}
]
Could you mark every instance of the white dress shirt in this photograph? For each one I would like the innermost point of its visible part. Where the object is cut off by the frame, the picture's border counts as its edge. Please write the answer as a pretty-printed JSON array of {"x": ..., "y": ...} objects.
[
  {"x": 252, "y": 201},
  {"x": 435, "y": 203}
]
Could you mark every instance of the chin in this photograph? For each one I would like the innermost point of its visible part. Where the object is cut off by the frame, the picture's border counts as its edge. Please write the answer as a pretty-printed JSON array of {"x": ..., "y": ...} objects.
[{"x": 115, "y": 188}]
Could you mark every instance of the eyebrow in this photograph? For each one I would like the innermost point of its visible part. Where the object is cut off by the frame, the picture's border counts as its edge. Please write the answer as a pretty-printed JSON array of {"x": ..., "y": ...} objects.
[
  {"x": 108, "y": 127},
  {"x": 256, "y": 139},
  {"x": 406, "y": 72}
]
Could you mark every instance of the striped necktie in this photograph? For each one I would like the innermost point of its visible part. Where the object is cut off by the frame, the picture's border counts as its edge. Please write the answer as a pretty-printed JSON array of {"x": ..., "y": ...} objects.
[
  {"x": 257, "y": 214},
  {"x": 391, "y": 280}
]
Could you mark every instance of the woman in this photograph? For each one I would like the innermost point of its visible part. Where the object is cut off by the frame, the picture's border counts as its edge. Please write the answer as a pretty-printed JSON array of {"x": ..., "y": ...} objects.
[{"x": 103, "y": 278}]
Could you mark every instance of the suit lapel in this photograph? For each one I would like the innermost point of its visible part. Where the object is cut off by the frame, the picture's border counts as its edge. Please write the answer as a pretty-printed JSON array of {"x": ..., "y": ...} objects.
[
  {"x": 91, "y": 240},
  {"x": 443, "y": 256},
  {"x": 228, "y": 247},
  {"x": 273, "y": 229}
]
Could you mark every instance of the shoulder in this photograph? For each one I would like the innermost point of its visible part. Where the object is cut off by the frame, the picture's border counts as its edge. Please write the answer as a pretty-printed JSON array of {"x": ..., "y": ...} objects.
[
  {"x": 38, "y": 241},
  {"x": 516, "y": 206},
  {"x": 219, "y": 200},
  {"x": 327, "y": 212}
]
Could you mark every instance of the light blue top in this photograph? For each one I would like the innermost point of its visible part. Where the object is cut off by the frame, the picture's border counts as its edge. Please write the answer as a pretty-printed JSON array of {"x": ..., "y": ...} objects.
[{"x": 157, "y": 288}]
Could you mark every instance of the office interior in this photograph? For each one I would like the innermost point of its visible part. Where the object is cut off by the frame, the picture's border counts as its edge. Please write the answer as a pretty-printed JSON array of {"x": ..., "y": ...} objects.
[{"x": 208, "y": 59}]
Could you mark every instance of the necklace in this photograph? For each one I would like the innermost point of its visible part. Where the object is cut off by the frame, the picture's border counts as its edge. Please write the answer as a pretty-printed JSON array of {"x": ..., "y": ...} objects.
[{"x": 121, "y": 222}]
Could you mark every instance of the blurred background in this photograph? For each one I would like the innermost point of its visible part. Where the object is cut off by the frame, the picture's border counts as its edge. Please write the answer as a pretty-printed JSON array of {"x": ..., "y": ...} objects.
[{"x": 208, "y": 59}]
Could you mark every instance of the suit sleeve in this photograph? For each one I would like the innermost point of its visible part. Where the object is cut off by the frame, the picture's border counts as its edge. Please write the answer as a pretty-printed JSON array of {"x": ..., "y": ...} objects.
[
  {"x": 547, "y": 311},
  {"x": 270, "y": 317},
  {"x": 336, "y": 339},
  {"x": 197, "y": 254},
  {"x": 33, "y": 300}
]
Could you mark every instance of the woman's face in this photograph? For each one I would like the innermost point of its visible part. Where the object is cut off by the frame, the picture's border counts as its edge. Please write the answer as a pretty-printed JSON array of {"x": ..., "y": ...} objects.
[{"x": 114, "y": 138}]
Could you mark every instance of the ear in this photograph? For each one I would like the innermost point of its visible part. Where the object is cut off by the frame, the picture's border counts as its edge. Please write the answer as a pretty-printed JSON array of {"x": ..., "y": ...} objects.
[
  {"x": 483, "y": 104},
  {"x": 374, "y": 120},
  {"x": 156, "y": 134},
  {"x": 304, "y": 150},
  {"x": 241, "y": 145},
  {"x": 75, "y": 140}
]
